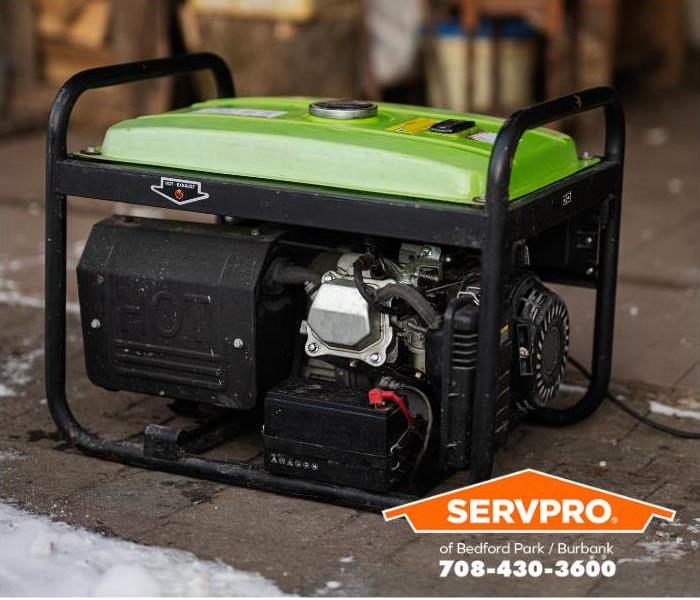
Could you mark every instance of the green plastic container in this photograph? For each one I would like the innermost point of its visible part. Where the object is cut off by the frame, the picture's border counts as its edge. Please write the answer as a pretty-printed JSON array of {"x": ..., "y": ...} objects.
[{"x": 393, "y": 152}]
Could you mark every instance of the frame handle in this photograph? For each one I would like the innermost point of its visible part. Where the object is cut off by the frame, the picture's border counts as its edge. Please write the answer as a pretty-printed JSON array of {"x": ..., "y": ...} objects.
[
  {"x": 492, "y": 259},
  {"x": 506, "y": 144},
  {"x": 101, "y": 77}
]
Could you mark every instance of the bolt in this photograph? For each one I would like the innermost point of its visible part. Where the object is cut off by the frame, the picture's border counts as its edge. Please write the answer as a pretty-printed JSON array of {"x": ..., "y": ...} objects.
[
  {"x": 374, "y": 358},
  {"x": 95, "y": 324},
  {"x": 255, "y": 231},
  {"x": 238, "y": 343},
  {"x": 94, "y": 150},
  {"x": 590, "y": 271},
  {"x": 589, "y": 240},
  {"x": 585, "y": 155},
  {"x": 312, "y": 348},
  {"x": 448, "y": 259}
]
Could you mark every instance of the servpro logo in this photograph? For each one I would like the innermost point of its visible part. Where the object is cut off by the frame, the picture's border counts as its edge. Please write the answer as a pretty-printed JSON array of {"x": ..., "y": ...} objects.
[
  {"x": 544, "y": 511},
  {"x": 529, "y": 501}
]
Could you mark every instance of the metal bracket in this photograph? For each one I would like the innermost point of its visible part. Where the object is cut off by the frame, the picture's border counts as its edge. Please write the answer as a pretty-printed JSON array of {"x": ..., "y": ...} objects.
[{"x": 162, "y": 442}]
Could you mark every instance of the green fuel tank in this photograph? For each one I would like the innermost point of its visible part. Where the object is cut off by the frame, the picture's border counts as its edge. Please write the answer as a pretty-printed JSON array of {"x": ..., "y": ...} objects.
[{"x": 421, "y": 153}]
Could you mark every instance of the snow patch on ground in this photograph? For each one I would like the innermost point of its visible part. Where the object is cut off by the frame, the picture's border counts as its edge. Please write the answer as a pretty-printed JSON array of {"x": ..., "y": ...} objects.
[
  {"x": 14, "y": 298},
  {"x": 10, "y": 454},
  {"x": 18, "y": 370},
  {"x": 658, "y": 550},
  {"x": 39, "y": 557},
  {"x": 671, "y": 546},
  {"x": 671, "y": 411},
  {"x": 10, "y": 295},
  {"x": 15, "y": 265}
]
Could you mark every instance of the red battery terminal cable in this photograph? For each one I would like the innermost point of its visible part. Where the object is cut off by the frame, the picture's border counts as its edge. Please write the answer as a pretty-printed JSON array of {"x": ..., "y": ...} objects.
[{"x": 378, "y": 397}]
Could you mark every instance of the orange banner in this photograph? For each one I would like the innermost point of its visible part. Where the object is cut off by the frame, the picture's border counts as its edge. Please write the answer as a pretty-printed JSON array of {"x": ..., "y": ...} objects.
[{"x": 529, "y": 501}]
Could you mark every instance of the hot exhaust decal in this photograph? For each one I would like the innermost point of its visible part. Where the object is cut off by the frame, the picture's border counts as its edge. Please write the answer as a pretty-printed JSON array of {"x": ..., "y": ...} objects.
[
  {"x": 529, "y": 501},
  {"x": 180, "y": 191}
]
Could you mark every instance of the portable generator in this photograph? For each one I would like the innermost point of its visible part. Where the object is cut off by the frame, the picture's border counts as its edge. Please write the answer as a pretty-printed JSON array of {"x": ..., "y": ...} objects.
[{"x": 369, "y": 293}]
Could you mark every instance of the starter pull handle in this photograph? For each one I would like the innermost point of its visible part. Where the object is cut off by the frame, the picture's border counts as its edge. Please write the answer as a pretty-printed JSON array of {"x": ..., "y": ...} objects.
[{"x": 377, "y": 397}]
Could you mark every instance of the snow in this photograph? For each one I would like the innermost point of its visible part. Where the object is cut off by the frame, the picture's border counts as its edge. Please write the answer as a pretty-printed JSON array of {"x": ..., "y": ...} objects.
[
  {"x": 670, "y": 546},
  {"x": 39, "y": 557},
  {"x": 17, "y": 371},
  {"x": 674, "y": 185},
  {"x": 664, "y": 409},
  {"x": 656, "y": 136},
  {"x": 659, "y": 550},
  {"x": 14, "y": 298},
  {"x": 8, "y": 454}
]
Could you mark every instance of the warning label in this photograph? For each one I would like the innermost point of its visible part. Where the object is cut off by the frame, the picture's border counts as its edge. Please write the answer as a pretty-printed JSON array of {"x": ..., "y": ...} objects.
[
  {"x": 414, "y": 125},
  {"x": 487, "y": 137}
]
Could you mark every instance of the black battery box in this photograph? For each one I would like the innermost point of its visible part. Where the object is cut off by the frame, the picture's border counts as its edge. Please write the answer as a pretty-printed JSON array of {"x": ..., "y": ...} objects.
[{"x": 329, "y": 432}]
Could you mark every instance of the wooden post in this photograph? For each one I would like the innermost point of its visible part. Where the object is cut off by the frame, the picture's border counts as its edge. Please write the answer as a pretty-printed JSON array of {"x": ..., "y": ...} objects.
[{"x": 140, "y": 31}]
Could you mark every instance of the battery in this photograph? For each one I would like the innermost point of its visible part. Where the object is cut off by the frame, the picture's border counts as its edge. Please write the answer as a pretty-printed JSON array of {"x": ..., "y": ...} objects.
[{"x": 329, "y": 432}]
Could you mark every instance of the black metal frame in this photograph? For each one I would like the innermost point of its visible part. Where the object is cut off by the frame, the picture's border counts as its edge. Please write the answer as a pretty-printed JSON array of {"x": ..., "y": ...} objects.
[{"x": 492, "y": 229}]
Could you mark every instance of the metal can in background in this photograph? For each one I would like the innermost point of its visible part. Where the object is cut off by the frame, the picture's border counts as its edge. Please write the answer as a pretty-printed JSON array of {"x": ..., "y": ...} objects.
[
  {"x": 483, "y": 68},
  {"x": 517, "y": 59},
  {"x": 447, "y": 75}
]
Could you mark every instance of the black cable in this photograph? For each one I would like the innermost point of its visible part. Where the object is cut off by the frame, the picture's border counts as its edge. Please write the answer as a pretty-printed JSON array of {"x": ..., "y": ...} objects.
[
  {"x": 429, "y": 425},
  {"x": 408, "y": 294},
  {"x": 365, "y": 291},
  {"x": 681, "y": 433}
]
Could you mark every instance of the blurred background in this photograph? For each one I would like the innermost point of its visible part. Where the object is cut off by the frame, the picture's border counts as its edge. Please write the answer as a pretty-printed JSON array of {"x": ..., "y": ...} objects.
[
  {"x": 491, "y": 56},
  {"x": 488, "y": 56}
]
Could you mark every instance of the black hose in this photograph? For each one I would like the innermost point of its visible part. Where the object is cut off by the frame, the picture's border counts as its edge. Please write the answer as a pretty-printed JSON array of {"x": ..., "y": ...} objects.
[
  {"x": 681, "y": 433},
  {"x": 283, "y": 273},
  {"x": 367, "y": 293},
  {"x": 296, "y": 275},
  {"x": 410, "y": 295},
  {"x": 415, "y": 300}
]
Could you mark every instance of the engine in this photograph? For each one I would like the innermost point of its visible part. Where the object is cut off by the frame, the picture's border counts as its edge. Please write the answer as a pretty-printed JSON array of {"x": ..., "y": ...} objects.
[
  {"x": 361, "y": 352},
  {"x": 351, "y": 315}
]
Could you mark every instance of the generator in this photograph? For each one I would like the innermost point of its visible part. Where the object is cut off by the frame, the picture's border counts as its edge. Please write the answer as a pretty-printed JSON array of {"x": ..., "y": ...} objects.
[{"x": 370, "y": 293}]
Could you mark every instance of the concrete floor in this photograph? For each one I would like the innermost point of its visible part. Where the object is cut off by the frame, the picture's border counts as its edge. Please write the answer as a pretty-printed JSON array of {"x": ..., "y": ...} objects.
[{"x": 302, "y": 545}]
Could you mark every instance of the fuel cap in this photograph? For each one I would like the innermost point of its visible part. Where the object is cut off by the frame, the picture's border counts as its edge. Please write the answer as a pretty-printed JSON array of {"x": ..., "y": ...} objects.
[{"x": 343, "y": 109}]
